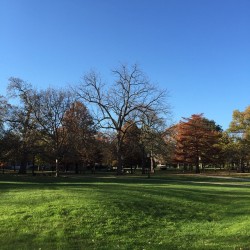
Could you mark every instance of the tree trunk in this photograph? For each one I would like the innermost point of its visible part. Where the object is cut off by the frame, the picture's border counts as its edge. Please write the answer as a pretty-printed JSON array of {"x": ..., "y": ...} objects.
[
  {"x": 143, "y": 163},
  {"x": 33, "y": 166},
  {"x": 242, "y": 166},
  {"x": 76, "y": 168},
  {"x": 22, "y": 169},
  {"x": 197, "y": 166},
  {"x": 23, "y": 165},
  {"x": 119, "y": 163},
  {"x": 119, "y": 155},
  {"x": 197, "y": 169},
  {"x": 184, "y": 167}
]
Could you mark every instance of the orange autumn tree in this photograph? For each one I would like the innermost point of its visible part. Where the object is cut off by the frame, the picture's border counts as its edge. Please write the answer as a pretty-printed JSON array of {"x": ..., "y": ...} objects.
[
  {"x": 196, "y": 141},
  {"x": 80, "y": 144}
]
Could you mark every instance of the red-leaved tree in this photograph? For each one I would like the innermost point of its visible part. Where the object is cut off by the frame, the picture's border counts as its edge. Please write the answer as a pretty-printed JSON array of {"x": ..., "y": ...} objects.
[{"x": 196, "y": 140}]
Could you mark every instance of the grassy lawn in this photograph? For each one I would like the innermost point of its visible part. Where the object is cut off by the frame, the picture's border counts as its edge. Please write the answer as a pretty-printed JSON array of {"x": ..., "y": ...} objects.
[{"x": 163, "y": 212}]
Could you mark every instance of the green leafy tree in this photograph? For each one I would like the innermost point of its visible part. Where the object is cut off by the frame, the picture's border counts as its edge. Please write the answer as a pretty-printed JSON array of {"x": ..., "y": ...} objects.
[{"x": 239, "y": 129}]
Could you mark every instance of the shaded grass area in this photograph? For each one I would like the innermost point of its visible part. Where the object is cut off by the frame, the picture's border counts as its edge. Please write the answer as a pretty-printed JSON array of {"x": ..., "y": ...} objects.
[{"x": 174, "y": 212}]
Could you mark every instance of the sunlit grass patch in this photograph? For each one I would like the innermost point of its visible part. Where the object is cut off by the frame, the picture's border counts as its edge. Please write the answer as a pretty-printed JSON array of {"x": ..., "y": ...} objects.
[{"x": 122, "y": 213}]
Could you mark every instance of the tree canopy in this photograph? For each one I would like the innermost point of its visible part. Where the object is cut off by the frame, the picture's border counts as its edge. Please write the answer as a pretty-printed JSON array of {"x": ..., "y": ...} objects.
[
  {"x": 195, "y": 140},
  {"x": 130, "y": 97},
  {"x": 121, "y": 123}
]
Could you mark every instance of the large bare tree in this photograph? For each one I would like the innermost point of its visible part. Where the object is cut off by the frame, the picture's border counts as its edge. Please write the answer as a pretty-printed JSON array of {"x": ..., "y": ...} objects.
[
  {"x": 21, "y": 120},
  {"x": 130, "y": 97},
  {"x": 4, "y": 106},
  {"x": 49, "y": 108}
]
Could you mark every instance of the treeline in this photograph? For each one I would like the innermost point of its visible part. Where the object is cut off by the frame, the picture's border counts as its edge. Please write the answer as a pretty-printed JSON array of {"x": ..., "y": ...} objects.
[{"x": 119, "y": 125}]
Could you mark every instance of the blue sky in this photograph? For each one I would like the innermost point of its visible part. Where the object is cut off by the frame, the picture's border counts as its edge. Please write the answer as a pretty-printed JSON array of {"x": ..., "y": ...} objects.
[{"x": 198, "y": 49}]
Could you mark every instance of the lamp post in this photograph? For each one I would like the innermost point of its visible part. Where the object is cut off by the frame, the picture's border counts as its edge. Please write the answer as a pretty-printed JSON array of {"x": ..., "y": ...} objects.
[{"x": 57, "y": 170}]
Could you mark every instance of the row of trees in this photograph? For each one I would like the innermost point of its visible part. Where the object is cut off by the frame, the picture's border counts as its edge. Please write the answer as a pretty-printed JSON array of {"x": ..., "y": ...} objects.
[
  {"x": 199, "y": 142},
  {"x": 120, "y": 124},
  {"x": 56, "y": 127}
]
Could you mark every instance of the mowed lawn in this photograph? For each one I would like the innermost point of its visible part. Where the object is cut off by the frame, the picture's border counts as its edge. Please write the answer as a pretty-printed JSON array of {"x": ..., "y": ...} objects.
[{"x": 124, "y": 213}]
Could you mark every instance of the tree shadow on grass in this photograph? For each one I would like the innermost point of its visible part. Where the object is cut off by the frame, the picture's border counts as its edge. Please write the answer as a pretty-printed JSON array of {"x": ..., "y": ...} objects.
[
  {"x": 193, "y": 202},
  {"x": 142, "y": 206},
  {"x": 141, "y": 190}
]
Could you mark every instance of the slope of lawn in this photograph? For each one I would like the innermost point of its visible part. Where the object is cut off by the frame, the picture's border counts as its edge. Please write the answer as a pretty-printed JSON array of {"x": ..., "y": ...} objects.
[{"x": 123, "y": 213}]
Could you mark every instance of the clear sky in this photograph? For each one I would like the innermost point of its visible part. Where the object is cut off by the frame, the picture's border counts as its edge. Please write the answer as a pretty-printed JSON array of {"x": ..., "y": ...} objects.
[{"x": 198, "y": 49}]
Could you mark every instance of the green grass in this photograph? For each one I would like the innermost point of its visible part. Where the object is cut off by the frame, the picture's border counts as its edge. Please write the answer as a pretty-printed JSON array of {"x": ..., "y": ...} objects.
[{"x": 163, "y": 212}]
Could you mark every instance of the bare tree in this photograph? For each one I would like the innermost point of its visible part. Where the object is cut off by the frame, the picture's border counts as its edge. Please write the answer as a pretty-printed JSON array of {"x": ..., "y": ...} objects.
[
  {"x": 49, "y": 107},
  {"x": 3, "y": 110},
  {"x": 4, "y": 107},
  {"x": 130, "y": 97},
  {"x": 21, "y": 119}
]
